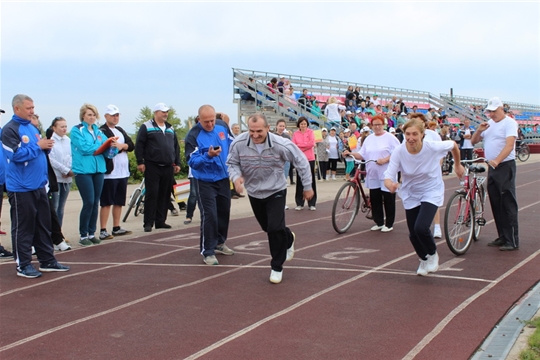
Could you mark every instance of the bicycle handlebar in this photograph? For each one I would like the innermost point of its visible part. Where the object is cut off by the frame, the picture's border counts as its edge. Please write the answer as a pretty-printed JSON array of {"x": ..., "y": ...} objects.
[
  {"x": 360, "y": 162},
  {"x": 477, "y": 159}
]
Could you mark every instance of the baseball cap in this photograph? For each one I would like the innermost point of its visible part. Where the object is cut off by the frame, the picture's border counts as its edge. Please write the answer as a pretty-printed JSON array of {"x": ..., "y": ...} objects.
[
  {"x": 365, "y": 129},
  {"x": 161, "y": 107},
  {"x": 494, "y": 103},
  {"x": 112, "y": 110},
  {"x": 333, "y": 128},
  {"x": 392, "y": 130},
  {"x": 348, "y": 112},
  {"x": 358, "y": 111},
  {"x": 324, "y": 129},
  {"x": 403, "y": 114},
  {"x": 347, "y": 130}
]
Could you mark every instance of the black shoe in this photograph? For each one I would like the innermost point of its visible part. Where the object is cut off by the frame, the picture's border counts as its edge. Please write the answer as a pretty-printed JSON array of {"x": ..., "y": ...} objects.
[
  {"x": 147, "y": 229},
  {"x": 497, "y": 242},
  {"x": 508, "y": 247},
  {"x": 163, "y": 226},
  {"x": 6, "y": 254}
]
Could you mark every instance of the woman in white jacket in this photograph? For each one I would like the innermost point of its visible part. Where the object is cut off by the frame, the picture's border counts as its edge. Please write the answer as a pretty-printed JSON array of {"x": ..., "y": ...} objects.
[
  {"x": 60, "y": 157},
  {"x": 332, "y": 111}
]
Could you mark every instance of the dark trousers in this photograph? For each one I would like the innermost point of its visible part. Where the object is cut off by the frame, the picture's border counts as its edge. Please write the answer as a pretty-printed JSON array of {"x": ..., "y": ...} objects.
[
  {"x": 214, "y": 200},
  {"x": 299, "y": 195},
  {"x": 56, "y": 229},
  {"x": 466, "y": 154},
  {"x": 192, "y": 198},
  {"x": 501, "y": 188},
  {"x": 90, "y": 186},
  {"x": 270, "y": 213},
  {"x": 30, "y": 226},
  {"x": 419, "y": 221},
  {"x": 323, "y": 166},
  {"x": 158, "y": 180},
  {"x": 383, "y": 200}
]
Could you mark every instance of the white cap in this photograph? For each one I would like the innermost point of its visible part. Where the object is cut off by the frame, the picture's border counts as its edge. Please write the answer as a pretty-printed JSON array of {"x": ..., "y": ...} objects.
[
  {"x": 403, "y": 114},
  {"x": 347, "y": 130},
  {"x": 494, "y": 103},
  {"x": 392, "y": 130},
  {"x": 112, "y": 110},
  {"x": 161, "y": 107},
  {"x": 365, "y": 129},
  {"x": 348, "y": 112},
  {"x": 358, "y": 111},
  {"x": 324, "y": 129}
]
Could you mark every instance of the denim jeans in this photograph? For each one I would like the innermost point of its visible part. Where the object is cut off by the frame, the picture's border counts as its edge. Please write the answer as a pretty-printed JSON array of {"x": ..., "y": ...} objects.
[
  {"x": 90, "y": 186},
  {"x": 59, "y": 199}
]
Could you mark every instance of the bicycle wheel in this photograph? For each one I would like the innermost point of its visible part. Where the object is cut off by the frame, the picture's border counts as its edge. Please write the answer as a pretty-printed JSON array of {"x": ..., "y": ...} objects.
[
  {"x": 132, "y": 201},
  {"x": 345, "y": 208},
  {"x": 524, "y": 153},
  {"x": 479, "y": 220},
  {"x": 459, "y": 223},
  {"x": 139, "y": 208}
]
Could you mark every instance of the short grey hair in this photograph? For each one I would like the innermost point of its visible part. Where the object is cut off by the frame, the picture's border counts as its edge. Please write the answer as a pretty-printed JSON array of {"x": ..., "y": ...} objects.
[
  {"x": 19, "y": 99},
  {"x": 258, "y": 116}
]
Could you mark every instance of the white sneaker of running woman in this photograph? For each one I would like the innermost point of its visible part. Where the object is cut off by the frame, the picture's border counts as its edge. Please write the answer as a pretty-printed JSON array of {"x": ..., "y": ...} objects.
[
  {"x": 63, "y": 246},
  {"x": 290, "y": 251},
  {"x": 437, "y": 233},
  {"x": 432, "y": 262},
  {"x": 275, "y": 276},
  {"x": 422, "y": 271}
]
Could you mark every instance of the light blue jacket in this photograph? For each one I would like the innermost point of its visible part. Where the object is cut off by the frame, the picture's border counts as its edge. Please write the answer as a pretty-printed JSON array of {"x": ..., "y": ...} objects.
[{"x": 83, "y": 146}]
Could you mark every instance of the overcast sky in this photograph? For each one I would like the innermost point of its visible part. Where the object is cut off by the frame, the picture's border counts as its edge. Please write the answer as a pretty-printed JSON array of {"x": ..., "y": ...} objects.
[{"x": 135, "y": 54}]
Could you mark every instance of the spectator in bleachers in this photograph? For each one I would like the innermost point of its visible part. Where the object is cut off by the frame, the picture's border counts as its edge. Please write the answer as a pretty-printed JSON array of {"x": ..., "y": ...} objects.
[
  {"x": 245, "y": 95},
  {"x": 281, "y": 85},
  {"x": 315, "y": 108},
  {"x": 371, "y": 109},
  {"x": 429, "y": 114},
  {"x": 378, "y": 109},
  {"x": 350, "y": 102},
  {"x": 414, "y": 109},
  {"x": 354, "y": 129},
  {"x": 349, "y": 91},
  {"x": 304, "y": 102},
  {"x": 332, "y": 111},
  {"x": 362, "y": 106},
  {"x": 359, "y": 98},
  {"x": 376, "y": 100}
]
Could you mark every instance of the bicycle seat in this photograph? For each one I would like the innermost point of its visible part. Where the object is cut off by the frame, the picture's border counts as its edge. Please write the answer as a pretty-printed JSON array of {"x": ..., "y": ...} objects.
[{"x": 477, "y": 169}]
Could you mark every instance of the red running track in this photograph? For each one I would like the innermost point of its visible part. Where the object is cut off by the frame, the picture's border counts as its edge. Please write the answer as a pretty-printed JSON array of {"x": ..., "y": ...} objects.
[{"x": 347, "y": 296}]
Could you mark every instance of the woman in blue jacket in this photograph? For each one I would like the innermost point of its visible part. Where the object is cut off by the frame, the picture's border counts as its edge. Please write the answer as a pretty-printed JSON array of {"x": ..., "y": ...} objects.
[{"x": 89, "y": 170}]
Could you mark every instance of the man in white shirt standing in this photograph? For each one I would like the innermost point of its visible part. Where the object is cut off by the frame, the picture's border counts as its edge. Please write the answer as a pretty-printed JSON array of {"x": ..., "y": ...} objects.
[
  {"x": 466, "y": 146},
  {"x": 116, "y": 178},
  {"x": 499, "y": 135}
]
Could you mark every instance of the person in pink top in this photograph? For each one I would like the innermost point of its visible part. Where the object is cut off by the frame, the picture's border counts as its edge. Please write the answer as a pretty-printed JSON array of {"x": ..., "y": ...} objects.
[{"x": 305, "y": 140}]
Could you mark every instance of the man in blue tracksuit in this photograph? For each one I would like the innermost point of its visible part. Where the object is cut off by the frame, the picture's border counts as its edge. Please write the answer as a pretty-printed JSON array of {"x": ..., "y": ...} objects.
[
  {"x": 207, "y": 148},
  {"x": 26, "y": 176}
]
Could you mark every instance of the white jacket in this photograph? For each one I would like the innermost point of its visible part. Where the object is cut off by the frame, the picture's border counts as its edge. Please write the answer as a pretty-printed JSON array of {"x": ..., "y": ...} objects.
[{"x": 60, "y": 157}]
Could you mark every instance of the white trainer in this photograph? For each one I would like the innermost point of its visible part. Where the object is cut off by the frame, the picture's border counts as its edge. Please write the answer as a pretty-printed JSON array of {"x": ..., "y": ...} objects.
[
  {"x": 437, "y": 233},
  {"x": 275, "y": 276},
  {"x": 298, "y": 208},
  {"x": 422, "y": 271},
  {"x": 376, "y": 227},
  {"x": 290, "y": 251},
  {"x": 386, "y": 229},
  {"x": 432, "y": 262},
  {"x": 312, "y": 208},
  {"x": 63, "y": 246}
]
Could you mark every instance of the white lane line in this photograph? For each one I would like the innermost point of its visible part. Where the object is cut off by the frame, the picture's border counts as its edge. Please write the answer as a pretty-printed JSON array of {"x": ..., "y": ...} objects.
[
  {"x": 441, "y": 325},
  {"x": 289, "y": 309}
]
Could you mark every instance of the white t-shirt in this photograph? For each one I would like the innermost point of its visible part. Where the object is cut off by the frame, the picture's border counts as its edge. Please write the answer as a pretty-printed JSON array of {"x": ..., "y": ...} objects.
[
  {"x": 431, "y": 135},
  {"x": 420, "y": 173},
  {"x": 377, "y": 147},
  {"x": 333, "y": 142},
  {"x": 495, "y": 137},
  {"x": 467, "y": 144},
  {"x": 120, "y": 161},
  {"x": 332, "y": 111}
]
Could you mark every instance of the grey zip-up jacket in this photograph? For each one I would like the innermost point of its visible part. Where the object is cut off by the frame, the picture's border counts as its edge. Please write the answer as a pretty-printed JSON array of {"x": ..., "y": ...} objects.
[{"x": 263, "y": 172}]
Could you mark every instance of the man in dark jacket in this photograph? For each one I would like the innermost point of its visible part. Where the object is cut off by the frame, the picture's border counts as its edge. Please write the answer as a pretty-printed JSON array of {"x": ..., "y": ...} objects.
[
  {"x": 158, "y": 157},
  {"x": 117, "y": 175}
]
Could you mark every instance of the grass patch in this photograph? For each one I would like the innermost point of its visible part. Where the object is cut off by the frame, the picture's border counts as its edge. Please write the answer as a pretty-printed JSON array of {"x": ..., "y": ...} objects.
[{"x": 533, "y": 352}]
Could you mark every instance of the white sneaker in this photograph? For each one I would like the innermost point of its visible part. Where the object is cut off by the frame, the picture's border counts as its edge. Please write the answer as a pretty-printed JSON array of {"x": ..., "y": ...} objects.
[
  {"x": 432, "y": 262},
  {"x": 437, "y": 233},
  {"x": 286, "y": 207},
  {"x": 63, "y": 246},
  {"x": 422, "y": 271},
  {"x": 290, "y": 251},
  {"x": 298, "y": 208},
  {"x": 334, "y": 177},
  {"x": 210, "y": 260},
  {"x": 312, "y": 208},
  {"x": 386, "y": 229},
  {"x": 376, "y": 227},
  {"x": 275, "y": 276}
]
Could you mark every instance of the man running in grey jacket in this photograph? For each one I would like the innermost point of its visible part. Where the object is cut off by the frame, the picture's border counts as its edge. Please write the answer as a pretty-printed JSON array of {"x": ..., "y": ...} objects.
[{"x": 257, "y": 161}]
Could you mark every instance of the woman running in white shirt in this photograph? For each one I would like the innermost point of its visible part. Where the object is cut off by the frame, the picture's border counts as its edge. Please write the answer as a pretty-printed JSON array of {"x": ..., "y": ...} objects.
[{"x": 422, "y": 188}]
